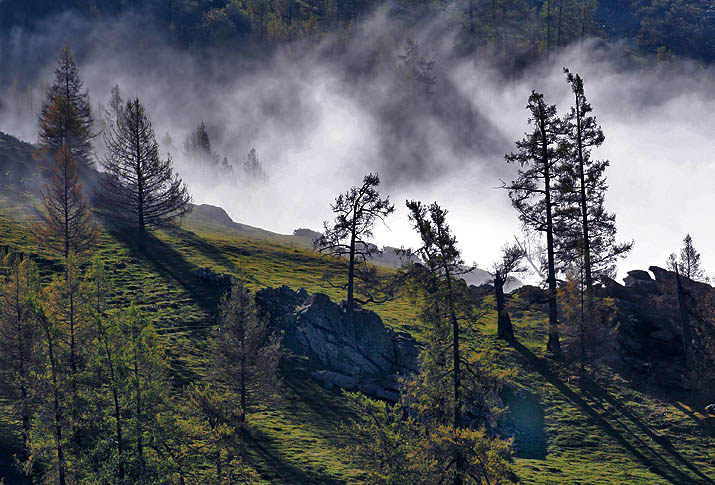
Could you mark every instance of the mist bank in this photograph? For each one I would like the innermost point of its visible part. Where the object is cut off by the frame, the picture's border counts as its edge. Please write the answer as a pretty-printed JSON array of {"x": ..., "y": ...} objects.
[{"x": 320, "y": 116}]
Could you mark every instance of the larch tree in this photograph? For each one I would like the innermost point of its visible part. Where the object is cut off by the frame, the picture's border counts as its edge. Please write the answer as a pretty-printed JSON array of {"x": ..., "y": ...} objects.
[
  {"x": 355, "y": 214},
  {"x": 585, "y": 229},
  {"x": 246, "y": 352},
  {"x": 20, "y": 337},
  {"x": 73, "y": 129},
  {"x": 504, "y": 269},
  {"x": 532, "y": 193},
  {"x": 65, "y": 310},
  {"x": 108, "y": 359},
  {"x": 688, "y": 261},
  {"x": 252, "y": 167},
  {"x": 115, "y": 105},
  {"x": 588, "y": 334},
  {"x": 54, "y": 398},
  {"x": 433, "y": 436},
  {"x": 147, "y": 385},
  {"x": 66, "y": 222},
  {"x": 443, "y": 263},
  {"x": 140, "y": 187}
]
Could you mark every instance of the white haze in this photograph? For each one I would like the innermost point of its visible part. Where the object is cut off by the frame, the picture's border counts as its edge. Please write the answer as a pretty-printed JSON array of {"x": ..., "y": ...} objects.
[{"x": 317, "y": 130}]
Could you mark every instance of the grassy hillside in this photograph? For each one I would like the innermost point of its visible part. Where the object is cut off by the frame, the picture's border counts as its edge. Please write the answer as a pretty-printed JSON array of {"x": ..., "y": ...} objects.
[{"x": 566, "y": 430}]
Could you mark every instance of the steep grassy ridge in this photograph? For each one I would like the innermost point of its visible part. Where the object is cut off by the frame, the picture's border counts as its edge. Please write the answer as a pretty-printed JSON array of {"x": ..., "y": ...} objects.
[{"x": 567, "y": 430}]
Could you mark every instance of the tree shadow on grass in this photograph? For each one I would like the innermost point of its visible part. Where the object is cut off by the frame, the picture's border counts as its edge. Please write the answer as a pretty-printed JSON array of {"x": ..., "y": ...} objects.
[
  {"x": 274, "y": 466},
  {"x": 655, "y": 462},
  {"x": 598, "y": 394},
  {"x": 170, "y": 264},
  {"x": 707, "y": 426},
  {"x": 203, "y": 247}
]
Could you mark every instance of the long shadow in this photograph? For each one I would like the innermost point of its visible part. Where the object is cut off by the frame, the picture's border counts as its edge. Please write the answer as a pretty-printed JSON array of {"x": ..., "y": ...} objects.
[
  {"x": 204, "y": 247},
  {"x": 326, "y": 407},
  {"x": 262, "y": 447},
  {"x": 671, "y": 473},
  {"x": 706, "y": 427},
  {"x": 599, "y": 393},
  {"x": 172, "y": 266}
]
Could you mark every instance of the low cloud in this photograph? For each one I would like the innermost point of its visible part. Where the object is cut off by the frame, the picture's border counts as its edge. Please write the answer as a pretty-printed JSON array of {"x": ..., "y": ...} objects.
[{"x": 322, "y": 115}]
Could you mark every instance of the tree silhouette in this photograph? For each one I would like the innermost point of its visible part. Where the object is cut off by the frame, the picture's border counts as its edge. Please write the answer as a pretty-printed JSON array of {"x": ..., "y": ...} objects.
[
  {"x": 140, "y": 187},
  {"x": 73, "y": 129},
  {"x": 355, "y": 214},
  {"x": 532, "y": 193},
  {"x": 66, "y": 221}
]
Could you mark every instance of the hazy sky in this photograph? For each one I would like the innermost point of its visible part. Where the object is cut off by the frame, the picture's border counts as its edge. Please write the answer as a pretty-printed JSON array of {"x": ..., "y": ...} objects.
[{"x": 320, "y": 122}]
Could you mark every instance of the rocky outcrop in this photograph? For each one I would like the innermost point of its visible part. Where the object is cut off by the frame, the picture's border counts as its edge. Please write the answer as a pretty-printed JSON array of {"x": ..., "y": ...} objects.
[
  {"x": 363, "y": 355},
  {"x": 650, "y": 333}
]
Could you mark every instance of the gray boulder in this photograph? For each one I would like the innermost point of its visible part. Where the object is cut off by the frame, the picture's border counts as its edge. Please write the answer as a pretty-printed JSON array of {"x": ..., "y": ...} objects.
[
  {"x": 649, "y": 330},
  {"x": 363, "y": 354}
]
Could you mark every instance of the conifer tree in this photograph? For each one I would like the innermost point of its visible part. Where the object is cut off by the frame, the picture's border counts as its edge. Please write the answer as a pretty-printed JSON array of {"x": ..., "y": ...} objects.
[
  {"x": 688, "y": 261},
  {"x": 73, "y": 128},
  {"x": 198, "y": 147},
  {"x": 246, "y": 352},
  {"x": 146, "y": 384},
  {"x": 532, "y": 193},
  {"x": 585, "y": 230},
  {"x": 252, "y": 166},
  {"x": 446, "y": 307},
  {"x": 115, "y": 105},
  {"x": 140, "y": 188},
  {"x": 20, "y": 338},
  {"x": 66, "y": 221},
  {"x": 355, "y": 214},
  {"x": 108, "y": 360},
  {"x": 433, "y": 436},
  {"x": 53, "y": 399}
]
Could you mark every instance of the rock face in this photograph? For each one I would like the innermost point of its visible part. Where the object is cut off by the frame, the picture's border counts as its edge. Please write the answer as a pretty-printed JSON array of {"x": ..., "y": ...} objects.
[
  {"x": 364, "y": 355},
  {"x": 650, "y": 334}
]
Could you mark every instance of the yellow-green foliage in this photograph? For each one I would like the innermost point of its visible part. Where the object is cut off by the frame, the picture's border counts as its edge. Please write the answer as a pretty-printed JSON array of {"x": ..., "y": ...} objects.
[{"x": 566, "y": 430}]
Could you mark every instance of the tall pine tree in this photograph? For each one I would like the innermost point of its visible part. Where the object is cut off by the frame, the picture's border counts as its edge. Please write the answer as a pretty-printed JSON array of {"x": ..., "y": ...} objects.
[
  {"x": 585, "y": 229},
  {"x": 73, "y": 129},
  {"x": 66, "y": 222},
  {"x": 532, "y": 193},
  {"x": 140, "y": 187}
]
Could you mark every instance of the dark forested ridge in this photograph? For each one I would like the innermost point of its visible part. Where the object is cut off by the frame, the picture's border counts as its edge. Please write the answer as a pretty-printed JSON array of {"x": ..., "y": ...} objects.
[{"x": 680, "y": 27}]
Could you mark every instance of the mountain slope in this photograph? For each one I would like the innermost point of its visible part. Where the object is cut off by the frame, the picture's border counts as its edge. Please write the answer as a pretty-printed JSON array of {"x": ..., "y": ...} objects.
[{"x": 600, "y": 430}]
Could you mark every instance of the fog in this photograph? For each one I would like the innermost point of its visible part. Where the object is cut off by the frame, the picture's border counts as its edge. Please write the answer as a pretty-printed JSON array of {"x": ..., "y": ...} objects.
[{"x": 321, "y": 117}]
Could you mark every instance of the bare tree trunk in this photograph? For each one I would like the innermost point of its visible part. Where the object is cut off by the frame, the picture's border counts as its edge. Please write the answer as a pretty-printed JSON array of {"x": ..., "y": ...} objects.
[
  {"x": 351, "y": 275},
  {"x": 139, "y": 411},
  {"x": 22, "y": 354},
  {"x": 57, "y": 408},
  {"x": 584, "y": 206},
  {"x": 558, "y": 30},
  {"x": 548, "y": 28},
  {"x": 553, "y": 345},
  {"x": 243, "y": 378},
  {"x": 459, "y": 459},
  {"x": 140, "y": 188},
  {"x": 583, "y": 325}
]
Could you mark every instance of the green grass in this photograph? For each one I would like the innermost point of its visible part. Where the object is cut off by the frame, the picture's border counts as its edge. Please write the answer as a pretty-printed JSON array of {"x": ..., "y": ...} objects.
[{"x": 598, "y": 430}]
